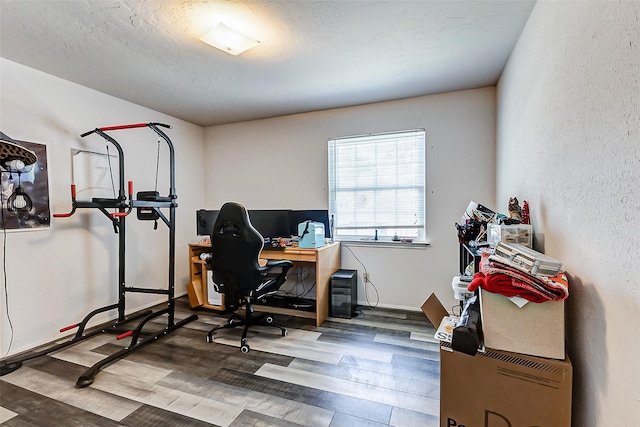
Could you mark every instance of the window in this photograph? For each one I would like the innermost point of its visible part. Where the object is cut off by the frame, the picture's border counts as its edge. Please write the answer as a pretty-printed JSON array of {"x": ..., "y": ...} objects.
[{"x": 377, "y": 185}]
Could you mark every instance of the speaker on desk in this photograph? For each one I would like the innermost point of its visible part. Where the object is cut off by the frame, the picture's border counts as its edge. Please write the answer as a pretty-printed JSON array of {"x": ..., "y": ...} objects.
[{"x": 344, "y": 293}]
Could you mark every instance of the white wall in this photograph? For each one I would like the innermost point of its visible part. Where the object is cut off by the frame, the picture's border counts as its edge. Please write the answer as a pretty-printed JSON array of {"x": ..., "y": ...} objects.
[
  {"x": 56, "y": 276},
  {"x": 569, "y": 143},
  {"x": 281, "y": 163},
  {"x": 71, "y": 268}
]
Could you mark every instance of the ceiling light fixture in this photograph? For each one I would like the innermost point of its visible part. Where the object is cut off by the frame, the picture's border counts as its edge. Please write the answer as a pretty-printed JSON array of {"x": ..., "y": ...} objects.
[{"x": 228, "y": 39}]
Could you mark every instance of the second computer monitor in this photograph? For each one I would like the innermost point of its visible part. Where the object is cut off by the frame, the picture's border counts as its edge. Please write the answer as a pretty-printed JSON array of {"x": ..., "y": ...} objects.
[
  {"x": 205, "y": 219},
  {"x": 317, "y": 215},
  {"x": 271, "y": 223}
]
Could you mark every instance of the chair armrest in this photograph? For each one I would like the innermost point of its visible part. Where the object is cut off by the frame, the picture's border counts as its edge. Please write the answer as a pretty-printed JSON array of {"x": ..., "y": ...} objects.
[{"x": 277, "y": 263}]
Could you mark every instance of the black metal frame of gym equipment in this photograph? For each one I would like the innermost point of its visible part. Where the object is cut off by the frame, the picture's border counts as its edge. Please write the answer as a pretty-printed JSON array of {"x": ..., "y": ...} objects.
[{"x": 124, "y": 208}]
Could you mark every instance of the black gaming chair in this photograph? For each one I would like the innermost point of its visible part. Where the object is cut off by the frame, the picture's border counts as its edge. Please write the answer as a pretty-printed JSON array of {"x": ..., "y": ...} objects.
[{"x": 235, "y": 247}]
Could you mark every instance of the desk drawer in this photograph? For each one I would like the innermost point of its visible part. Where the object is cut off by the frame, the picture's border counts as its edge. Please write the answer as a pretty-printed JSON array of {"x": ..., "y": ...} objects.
[{"x": 291, "y": 254}]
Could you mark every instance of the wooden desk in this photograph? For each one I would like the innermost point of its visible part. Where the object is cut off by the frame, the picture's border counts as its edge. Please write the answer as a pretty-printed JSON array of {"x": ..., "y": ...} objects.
[{"x": 325, "y": 260}]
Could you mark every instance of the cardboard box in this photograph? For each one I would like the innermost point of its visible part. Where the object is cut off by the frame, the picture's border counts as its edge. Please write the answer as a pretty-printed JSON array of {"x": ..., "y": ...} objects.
[
  {"x": 503, "y": 389},
  {"x": 434, "y": 310},
  {"x": 498, "y": 388},
  {"x": 534, "y": 329}
]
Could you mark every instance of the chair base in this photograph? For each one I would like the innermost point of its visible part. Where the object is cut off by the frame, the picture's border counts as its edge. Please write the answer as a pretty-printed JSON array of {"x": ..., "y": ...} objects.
[{"x": 265, "y": 319}]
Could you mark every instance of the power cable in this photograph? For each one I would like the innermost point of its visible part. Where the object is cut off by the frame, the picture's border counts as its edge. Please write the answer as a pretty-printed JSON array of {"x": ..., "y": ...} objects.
[
  {"x": 113, "y": 185},
  {"x": 157, "y": 165},
  {"x": 4, "y": 270},
  {"x": 366, "y": 291}
]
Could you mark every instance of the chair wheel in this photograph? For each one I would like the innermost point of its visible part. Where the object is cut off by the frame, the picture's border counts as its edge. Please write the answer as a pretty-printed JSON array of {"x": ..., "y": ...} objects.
[
  {"x": 84, "y": 381},
  {"x": 268, "y": 319},
  {"x": 245, "y": 348},
  {"x": 209, "y": 339},
  {"x": 285, "y": 333}
]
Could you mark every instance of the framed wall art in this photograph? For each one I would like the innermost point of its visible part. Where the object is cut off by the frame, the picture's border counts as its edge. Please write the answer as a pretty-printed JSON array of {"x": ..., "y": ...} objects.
[{"x": 24, "y": 193}]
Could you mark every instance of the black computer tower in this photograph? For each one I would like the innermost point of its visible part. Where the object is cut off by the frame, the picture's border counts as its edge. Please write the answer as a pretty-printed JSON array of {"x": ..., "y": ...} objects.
[{"x": 344, "y": 293}]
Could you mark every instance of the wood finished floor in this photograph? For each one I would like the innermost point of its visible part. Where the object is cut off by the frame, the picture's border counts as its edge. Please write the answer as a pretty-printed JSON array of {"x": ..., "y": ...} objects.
[{"x": 380, "y": 369}]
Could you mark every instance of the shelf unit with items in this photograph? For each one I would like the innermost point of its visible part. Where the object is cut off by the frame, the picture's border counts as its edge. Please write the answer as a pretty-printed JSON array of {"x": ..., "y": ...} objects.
[
  {"x": 198, "y": 287},
  {"x": 468, "y": 256}
]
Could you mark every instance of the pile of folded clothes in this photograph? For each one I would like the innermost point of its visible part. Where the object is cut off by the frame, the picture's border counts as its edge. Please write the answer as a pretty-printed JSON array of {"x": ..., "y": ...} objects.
[{"x": 501, "y": 278}]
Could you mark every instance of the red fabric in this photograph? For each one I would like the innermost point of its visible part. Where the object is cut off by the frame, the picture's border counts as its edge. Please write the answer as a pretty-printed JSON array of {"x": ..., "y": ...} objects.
[
  {"x": 505, "y": 285},
  {"x": 502, "y": 279}
]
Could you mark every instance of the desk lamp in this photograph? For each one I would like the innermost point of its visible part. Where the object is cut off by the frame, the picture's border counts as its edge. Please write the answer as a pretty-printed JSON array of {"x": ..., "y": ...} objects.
[{"x": 14, "y": 158}]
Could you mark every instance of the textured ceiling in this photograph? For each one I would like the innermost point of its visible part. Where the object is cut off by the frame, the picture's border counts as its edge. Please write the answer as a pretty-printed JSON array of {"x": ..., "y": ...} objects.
[{"x": 313, "y": 55}]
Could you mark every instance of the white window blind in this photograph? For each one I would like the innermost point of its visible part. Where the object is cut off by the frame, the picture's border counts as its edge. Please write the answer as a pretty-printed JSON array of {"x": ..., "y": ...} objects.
[{"x": 377, "y": 185}]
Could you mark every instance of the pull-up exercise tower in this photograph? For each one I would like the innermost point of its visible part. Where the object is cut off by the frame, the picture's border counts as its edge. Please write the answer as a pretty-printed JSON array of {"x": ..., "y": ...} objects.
[{"x": 149, "y": 205}]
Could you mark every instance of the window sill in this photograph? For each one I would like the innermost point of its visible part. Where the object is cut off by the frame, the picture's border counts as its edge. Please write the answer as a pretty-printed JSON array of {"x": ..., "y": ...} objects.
[{"x": 385, "y": 244}]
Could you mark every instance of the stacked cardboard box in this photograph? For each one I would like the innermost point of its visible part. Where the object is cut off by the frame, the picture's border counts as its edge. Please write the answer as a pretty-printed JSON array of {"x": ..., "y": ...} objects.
[
  {"x": 497, "y": 388},
  {"x": 535, "y": 329},
  {"x": 501, "y": 389},
  {"x": 532, "y": 321}
]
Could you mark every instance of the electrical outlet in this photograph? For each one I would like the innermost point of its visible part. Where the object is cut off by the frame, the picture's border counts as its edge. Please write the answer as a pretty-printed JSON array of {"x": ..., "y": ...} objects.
[{"x": 366, "y": 276}]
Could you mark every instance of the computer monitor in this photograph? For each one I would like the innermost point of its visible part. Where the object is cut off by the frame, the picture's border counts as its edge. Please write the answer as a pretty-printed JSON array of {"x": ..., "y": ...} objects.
[
  {"x": 317, "y": 215},
  {"x": 205, "y": 220},
  {"x": 271, "y": 223}
]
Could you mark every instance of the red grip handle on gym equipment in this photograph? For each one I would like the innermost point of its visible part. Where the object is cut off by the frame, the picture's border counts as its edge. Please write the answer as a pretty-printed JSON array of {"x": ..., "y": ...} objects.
[
  {"x": 131, "y": 188},
  {"x": 66, "y": 328},
  {"x": 119, "y": 214},
  {"x": 66, "y": 215},
  {"x": 135, "y": 125},
  {"x": 126, "y": 334}
]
